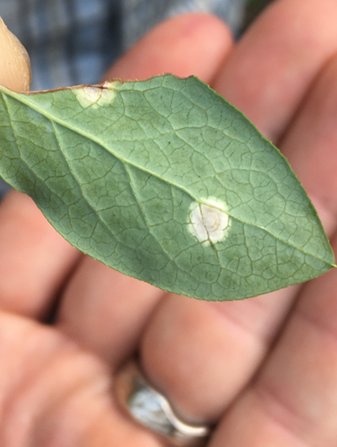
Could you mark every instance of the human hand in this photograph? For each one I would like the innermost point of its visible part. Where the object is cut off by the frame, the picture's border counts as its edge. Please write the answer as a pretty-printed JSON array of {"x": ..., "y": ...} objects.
[{"x": 262, "y": 370}]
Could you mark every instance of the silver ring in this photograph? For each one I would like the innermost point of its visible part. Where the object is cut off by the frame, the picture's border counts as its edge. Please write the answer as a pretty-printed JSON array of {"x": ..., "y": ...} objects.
[{"x": 152, "y": 410}]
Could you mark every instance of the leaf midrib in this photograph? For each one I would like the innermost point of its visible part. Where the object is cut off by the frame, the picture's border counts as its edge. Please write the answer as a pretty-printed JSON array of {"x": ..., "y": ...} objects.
[{"x": 24, "y": 99}]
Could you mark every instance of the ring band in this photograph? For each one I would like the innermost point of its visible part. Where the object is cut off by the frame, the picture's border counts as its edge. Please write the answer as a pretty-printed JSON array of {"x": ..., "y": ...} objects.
[{"x": 152, "y": 410}]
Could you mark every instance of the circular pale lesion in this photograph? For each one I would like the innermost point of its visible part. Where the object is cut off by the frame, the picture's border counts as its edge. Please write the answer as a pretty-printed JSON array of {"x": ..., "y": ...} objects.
[{"x": 208, "y": 223}]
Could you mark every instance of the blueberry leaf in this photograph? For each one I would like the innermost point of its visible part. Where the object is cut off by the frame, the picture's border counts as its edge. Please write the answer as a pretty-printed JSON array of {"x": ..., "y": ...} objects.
[{"x": 165, "y": 181}]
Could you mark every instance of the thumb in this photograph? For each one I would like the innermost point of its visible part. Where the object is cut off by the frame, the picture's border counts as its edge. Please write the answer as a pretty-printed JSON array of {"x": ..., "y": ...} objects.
[{"x": 15, "y": 71}]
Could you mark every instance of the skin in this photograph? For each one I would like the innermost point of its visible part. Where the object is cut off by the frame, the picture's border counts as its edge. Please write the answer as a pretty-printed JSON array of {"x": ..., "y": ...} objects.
[
  {"x": 14, "y": 64},
  {"x": 264, "y": 370}
]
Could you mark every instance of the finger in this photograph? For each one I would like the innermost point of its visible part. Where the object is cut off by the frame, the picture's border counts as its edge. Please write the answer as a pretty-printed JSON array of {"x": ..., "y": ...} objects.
[
  {"x": 269, "y": 73},
  {"x": 34, "y": 259},
  {"x": 293, "y": 401},
  {"x": 221, "y": 361},
  {"x": 200, "y": 354},
  {"x": 187, "y": 44},
  {"x": 15, "y": 72},
  {"x": 311, "y": 143},
  {"x": 106, "y": 311},
  {"x": 102, "y": 309}
]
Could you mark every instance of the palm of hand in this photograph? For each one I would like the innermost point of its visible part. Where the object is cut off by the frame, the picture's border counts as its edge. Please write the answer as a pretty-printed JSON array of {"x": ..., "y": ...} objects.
[{"x": 276, "y": 387}]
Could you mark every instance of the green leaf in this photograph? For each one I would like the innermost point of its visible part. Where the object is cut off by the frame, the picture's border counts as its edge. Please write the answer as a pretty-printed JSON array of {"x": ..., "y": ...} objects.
[{"x": 165, "y": 181}]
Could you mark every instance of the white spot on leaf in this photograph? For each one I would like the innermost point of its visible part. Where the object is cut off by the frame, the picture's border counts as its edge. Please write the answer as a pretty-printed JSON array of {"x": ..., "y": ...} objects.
[
  {"x": 208, "y": 223},
  {"x": 91, "y": 96}
]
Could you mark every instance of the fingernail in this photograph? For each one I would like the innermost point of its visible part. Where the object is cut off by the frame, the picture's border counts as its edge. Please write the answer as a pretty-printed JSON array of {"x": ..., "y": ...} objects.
[{"x": 15, "y": 71}]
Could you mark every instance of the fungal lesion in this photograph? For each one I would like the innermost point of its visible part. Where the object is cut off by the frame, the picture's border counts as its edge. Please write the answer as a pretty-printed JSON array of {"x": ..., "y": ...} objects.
[
  {"x": 208, "y": 223},
  {"x": 96, "y": 95}
]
